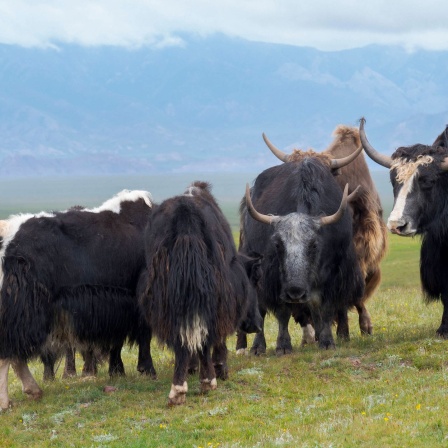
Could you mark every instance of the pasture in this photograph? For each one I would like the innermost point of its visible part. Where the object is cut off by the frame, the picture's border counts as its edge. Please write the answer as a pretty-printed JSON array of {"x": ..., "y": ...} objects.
[
  {"x": 388, "y": 389},
  {"x": 384, "y": 390}
]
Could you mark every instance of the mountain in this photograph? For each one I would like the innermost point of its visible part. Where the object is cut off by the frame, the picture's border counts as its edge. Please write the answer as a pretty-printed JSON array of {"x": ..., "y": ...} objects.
[{"x": 202, "y": 106}]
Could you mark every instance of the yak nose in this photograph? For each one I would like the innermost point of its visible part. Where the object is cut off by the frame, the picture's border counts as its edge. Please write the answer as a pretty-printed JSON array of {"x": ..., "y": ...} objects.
[
  {"x": 399, "y": 226},
  {"x": 296, "y": 294}
]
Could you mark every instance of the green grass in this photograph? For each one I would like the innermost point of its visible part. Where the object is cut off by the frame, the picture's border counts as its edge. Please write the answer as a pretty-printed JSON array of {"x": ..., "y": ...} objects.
[{"x": 389, "y": 389}]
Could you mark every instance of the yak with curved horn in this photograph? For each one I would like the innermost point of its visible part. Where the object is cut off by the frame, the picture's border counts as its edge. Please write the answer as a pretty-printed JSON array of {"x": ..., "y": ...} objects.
[
  {"x": 345, "y": 159},
  {"x": 419, "y": 178},
  {"x": 296, "y": 216}
]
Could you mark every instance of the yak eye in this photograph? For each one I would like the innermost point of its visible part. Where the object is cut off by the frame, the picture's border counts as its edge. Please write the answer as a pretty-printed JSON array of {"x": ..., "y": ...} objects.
[{"x": 425, "y": 182}]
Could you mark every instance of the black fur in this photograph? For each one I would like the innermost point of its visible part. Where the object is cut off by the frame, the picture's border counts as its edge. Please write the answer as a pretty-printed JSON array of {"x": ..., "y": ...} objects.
[
  {"x": 309, "y": 188},
  {"x": 77, "y": 263},
  {"x": 194, "y": 274}
]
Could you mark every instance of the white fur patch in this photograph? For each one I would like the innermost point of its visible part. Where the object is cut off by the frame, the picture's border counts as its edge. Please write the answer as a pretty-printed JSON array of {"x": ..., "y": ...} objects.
[
  {"x": 194, "y": 337},
  {"x": 114, "y": 204},
  {"x": 242, "y": 351},
  {"x": 309, "y": 335},
  {"x": 397, "y": 213},
  {"x": 178, "y": 390},
  {"x": 4, "y": 398},
  {"x": 9, "y": 228}
]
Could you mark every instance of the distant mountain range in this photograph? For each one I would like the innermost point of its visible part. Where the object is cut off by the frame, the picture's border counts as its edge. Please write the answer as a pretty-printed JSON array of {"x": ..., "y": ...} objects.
[{"x": 203, "y": 106}]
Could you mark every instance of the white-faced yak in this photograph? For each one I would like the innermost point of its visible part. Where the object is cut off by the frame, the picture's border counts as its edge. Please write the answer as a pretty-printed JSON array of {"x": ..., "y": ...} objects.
[{"x": 419, "y": 178}]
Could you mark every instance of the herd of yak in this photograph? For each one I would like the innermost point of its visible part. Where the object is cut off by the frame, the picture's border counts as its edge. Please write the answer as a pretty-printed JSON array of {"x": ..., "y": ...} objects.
[{"x": 312, "y": 237}]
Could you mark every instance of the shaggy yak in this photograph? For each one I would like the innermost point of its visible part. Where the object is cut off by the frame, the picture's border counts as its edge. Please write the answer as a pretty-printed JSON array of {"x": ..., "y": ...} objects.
[
  {"x": 195, "y": 291},
  {"x": 369, "y": 232},
  {"x": 72, "y": 276},
  {"x": 309, "y": 260},
  {"x": 419, "y": 178}
]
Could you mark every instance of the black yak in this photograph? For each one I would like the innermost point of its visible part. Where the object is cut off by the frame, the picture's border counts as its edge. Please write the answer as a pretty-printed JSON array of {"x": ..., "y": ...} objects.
[
  {"x": 195, "y": 291},
  {"x": 419, "y": 178},
  {"x": 309, "y": 263},
  {"x": 72, "y": 276}
]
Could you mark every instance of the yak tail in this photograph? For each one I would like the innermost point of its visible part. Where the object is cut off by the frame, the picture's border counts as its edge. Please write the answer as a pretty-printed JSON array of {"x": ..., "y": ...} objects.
[
  {"x": 185, "y": 288},
  {"x": 25, "y": 313}
]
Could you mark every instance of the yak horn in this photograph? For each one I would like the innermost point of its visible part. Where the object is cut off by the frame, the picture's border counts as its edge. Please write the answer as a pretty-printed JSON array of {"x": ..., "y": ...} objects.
[
  {"x": 335, "y": 163},
  {"x": 354, "y": 194},
  {"x": 382, "y": 159},
  {"x": 277, "y": 152},
  {"x": 339, "y": 163},
  {"x": 341, "y": 210},
  {"x": 265, "y": 219}
]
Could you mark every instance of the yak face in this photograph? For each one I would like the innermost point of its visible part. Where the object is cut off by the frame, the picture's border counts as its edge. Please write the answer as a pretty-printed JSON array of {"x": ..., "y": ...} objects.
[
  {"x": 414, "y": 186},
  {"x": 297, "y": 245}
]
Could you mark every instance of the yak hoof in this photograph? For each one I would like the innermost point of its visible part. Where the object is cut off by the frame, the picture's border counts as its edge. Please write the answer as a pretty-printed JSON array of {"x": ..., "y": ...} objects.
[
  {"x": 258, "y": 350},
  {"x": 280, "y": 351},
  {"x": 242, "y": 351},
  {"x": 33, "y": 394},
  {"x": 442, "y": 332},
  {"x": 148, "y": 370},
  {"x": 207, "y": 385},
  {"x": 5, "y": 406},
  {"x": 178, "y": 394},
  {"x": 222, "y": 371},
  {"x": 327, "y": 344}
]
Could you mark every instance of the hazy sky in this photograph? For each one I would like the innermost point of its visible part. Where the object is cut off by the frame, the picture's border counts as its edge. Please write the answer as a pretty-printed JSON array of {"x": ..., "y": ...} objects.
[{"x": 327, "y": 25}]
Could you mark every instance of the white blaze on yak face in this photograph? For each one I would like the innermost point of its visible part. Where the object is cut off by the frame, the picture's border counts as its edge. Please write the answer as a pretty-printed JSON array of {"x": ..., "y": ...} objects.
[{"x": 406, "y": 174}]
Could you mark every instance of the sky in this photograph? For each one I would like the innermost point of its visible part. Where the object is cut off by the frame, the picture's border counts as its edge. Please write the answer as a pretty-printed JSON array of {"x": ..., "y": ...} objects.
[{"x": 322, "y": 24}]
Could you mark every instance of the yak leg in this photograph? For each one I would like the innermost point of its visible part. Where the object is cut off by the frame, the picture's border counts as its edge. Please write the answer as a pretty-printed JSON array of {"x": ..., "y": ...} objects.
[
  {"x": 70, "y": 363},
  {"x": 284, "y": 346},
  {"x": 29, "y": 385},
  {"x": 302, "y": 316},
  {"x": 342, "y": 330},
  {"x": 4, "y": 398},
  {"x": 116, "y": 366},
  {"x": 207, "y": 373},
  {"x": 219, "y": 359},
  {"x": 259, "y": 344},
  {"x": 179, "y": 387},
  {"x": 48, "y": 359},
  {"x": 241, "y": 342},
  {"x": 372, "y": 281},
  {"x": 90, "y": 363},
  {"x": 323, "y": 318},
  {"x": 145, "y": 364},
  {"x": 443, "y": 329}
]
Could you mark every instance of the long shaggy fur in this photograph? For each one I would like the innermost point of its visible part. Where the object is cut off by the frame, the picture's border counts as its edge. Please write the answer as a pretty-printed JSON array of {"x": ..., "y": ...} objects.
[
  {"x": 369, "y": 228},
  {"x": 81, "y": 262},
  {"x": 190, "y": 293}
]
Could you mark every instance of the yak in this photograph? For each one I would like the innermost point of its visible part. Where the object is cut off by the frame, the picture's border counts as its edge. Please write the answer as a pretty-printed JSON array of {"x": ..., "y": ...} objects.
[
  {"x": 195, "y": 291},
  {"x": 72, "y": 276},
  {"x": 369, "y": 231},
  {"x": 419, "y": 178},
  {"x": 309, "y": 261}
]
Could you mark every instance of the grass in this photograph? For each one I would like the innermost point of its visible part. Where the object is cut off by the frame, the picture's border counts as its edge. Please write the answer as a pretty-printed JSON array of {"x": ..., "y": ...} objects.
[{"x": 389, "y": 389}]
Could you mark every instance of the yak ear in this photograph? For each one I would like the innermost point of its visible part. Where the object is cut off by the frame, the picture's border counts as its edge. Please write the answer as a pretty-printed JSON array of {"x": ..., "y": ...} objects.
[{"x": 444, "y": 164}]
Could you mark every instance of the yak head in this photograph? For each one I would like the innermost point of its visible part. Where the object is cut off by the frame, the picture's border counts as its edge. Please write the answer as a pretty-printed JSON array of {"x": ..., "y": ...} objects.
[
  {"x": 296, "y": 244},
  {"x": 419, "y": 181}
]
